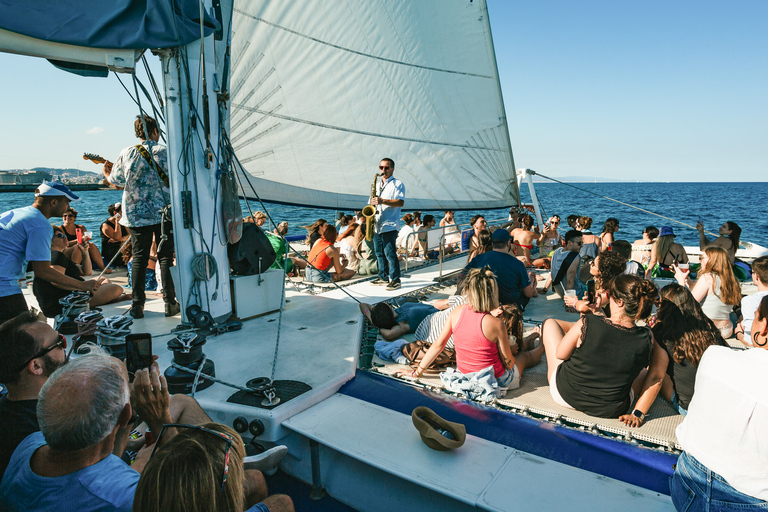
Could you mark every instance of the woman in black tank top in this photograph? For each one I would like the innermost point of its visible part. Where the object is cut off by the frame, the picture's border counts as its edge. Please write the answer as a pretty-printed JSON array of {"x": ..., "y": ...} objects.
[{"x": 596, "y": 364}]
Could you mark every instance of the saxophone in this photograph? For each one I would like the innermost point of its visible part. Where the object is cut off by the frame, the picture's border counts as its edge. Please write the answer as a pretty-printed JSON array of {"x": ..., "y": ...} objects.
[{"x": 369, "y": 212}]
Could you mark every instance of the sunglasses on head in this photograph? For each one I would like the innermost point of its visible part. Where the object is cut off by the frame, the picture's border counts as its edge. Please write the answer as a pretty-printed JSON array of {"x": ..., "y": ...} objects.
[{"x": 219, "y": 435}]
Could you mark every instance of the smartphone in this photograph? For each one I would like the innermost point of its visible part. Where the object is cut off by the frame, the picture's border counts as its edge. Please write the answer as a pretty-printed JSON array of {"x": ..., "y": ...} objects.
[
  {"x": 79, "y": 233},
  {"x": 591, "y": 291},
  {"x": 138, "y": 351}
]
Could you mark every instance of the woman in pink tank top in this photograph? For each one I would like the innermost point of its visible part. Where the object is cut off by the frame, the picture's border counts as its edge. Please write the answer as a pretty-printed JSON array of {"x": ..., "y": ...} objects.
[{"x": 480, "y": 339}]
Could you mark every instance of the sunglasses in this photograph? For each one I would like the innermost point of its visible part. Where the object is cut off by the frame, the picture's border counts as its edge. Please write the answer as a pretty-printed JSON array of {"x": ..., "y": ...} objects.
[
  {"x": 219, "y": 435},
  {"x": 61, "y": 342},
  {"x": 383, "y": 167},
  {"x": 60, "y": 235}
]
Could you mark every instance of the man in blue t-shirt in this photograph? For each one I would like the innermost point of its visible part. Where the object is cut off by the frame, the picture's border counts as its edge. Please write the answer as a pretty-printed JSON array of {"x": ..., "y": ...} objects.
[
  {"x": 25, "y": 237},
  {"x": 516, "y": 286}
]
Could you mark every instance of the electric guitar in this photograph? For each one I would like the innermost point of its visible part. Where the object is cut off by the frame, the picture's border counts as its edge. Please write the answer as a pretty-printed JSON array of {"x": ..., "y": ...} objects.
[{"x": 99, "y": 160}]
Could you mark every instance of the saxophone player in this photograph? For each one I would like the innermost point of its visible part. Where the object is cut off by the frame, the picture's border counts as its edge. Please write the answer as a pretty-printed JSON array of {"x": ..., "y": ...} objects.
[{"x": 389, "y": 198}]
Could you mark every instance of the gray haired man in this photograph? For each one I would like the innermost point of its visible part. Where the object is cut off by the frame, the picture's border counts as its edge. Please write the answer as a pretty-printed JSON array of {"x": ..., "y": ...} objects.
[{"x": 85, "y": 416}]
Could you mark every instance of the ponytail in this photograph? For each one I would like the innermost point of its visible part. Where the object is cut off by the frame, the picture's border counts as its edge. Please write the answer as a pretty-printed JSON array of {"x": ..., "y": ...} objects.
[{"x": 481, "y": 290}]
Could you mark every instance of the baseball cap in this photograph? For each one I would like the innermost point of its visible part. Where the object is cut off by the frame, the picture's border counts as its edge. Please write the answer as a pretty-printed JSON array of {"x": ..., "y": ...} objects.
[
  {"x": 501, "y": 235},
  {"x": 55, "y": 188},
  {"x": 666, "y": 230}
]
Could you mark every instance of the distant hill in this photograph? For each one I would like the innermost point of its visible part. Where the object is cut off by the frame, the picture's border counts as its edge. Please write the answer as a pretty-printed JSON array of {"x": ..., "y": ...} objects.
[
  {"x": 56, "y": 171},
  {"x": 581, "y": 179}
]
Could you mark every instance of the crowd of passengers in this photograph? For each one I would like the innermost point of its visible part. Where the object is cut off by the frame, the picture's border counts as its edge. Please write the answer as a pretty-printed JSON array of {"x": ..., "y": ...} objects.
[{"x": 617, "y": 357}]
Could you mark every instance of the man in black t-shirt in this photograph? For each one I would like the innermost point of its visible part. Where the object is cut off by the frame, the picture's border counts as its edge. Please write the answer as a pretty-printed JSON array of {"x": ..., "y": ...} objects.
[{"x": 30, "y": 351}]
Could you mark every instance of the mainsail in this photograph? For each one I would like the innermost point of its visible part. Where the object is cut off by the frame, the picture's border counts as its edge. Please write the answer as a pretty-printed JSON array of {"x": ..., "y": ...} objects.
[{"x": 321, "y": 91}]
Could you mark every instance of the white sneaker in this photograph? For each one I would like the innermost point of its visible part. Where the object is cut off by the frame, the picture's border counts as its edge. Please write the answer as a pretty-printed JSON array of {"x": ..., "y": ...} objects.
[{"x": 267, "y": 461}]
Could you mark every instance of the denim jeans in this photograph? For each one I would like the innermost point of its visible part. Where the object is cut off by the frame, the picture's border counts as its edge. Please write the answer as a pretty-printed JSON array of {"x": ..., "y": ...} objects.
[
  {"x": 696, "y": 488},
  {"x": 384, "y": 245},
  {"x": 141, "y": 243},
  {"x": 317, "y": 276}
]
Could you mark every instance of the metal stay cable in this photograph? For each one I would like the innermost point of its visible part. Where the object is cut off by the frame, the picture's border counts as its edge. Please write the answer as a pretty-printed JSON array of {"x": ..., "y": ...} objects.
[
  {"x": 269, "y": 216},
  {"x": 623, "y": 203}
]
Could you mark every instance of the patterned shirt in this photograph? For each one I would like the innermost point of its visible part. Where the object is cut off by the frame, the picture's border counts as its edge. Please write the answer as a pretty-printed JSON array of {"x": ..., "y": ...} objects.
[
  {"x": 429, "y": 329},
  {"x": 144, "y": 194}
]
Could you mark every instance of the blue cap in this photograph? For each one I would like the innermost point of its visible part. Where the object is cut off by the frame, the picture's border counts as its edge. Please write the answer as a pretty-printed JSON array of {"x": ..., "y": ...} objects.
[
  {"x": 501, "y": 235},
  {"x": 666, "y": 230},
  {"x": 55, "y": 188}
]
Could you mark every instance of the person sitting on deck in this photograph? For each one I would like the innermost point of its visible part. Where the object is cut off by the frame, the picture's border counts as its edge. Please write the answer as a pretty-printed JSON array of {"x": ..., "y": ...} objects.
[
  {"x": 550, "y": 239},
  {"x": 405, "y": 239},
  {"x": 113, "y": 235},
  {"x": 596, "y": 367},
  {"x": 70, "y": 229},
  {"x": 730, "y": 232},
  {"x": 347, "y": 245},
  {"x": 28, "y": 356},
  {"x": 315, "y": 231},
  {"x": 724, "y": 464},
  {"x": 524, "y": 238},
  {"x": 201, "y": 470},
  {"x": 480, "y": 339},
  {"x": 48, "y": 293},
  {"x": 565, "y": 266},
  {"x": 641, "y": 249},
  {"x": 515, "y": 285},
  {"x": 750, "y": 303},
  {"x": 624, "y": 248},
  {"x": 684, "y": 332},
  {"x": 665, "y": 252},
  {"x": 572, "y": 220},
  {"x": 716, "y": 288},
  {"x": 85, "y": 415},
  {"x": 451, "y": 231},
  {"x": 323, "y": 256},
  {"x": 591, "y": 246},
  {"x": 478, "y": 224},
  {"x": 602, "y": 269},
  {"x": 610, "y": 227}
]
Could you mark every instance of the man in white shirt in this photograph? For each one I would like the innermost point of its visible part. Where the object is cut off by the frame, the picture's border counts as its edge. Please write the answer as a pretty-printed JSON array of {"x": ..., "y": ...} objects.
[
  {"x": 724, "y": 465},
  {"x": 390, "y": 197},
  {"x": 750, "y": 303}
]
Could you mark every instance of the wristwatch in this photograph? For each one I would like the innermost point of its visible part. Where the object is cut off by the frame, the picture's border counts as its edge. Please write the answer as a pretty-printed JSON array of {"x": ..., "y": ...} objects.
[{"x": 638, "y": 414}]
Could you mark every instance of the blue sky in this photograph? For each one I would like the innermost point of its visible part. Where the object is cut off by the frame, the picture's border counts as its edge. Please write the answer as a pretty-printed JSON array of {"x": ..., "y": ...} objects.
[{"x": 655, "y": 91}]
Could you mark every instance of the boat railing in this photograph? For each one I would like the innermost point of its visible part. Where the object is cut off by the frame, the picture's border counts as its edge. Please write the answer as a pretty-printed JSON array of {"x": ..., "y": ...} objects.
[{"x": 440, "y": 244}]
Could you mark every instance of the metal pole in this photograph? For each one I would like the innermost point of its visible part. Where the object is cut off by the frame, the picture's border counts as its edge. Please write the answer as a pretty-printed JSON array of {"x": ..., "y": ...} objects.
[{"x": 317, "y": 491}]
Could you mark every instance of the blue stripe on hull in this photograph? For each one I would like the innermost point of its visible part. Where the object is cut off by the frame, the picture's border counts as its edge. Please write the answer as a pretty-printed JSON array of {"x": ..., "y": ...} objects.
[{"x": 620, "y": 460}]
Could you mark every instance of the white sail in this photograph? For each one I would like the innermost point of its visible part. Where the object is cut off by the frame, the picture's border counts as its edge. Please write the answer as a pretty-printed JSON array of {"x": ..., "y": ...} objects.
[{"x": 321, "y": 91}]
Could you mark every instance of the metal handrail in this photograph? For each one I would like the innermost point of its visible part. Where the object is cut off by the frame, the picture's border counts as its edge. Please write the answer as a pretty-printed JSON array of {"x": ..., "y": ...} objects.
[{"x": 440, "y": 242}]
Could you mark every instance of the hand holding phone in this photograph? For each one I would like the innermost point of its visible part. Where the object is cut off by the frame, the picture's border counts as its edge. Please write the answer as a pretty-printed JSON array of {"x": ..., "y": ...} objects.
[
  {"x": 138, "y": 352},
  {"x": 79, "y": 233},
  {"x": 591, "y": 291}
]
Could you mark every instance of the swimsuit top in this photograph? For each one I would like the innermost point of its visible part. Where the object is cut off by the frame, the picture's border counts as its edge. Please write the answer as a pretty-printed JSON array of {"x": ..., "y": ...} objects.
[
  {"x": 523, "y": 246},
  {"x": 318, "y": 257}
]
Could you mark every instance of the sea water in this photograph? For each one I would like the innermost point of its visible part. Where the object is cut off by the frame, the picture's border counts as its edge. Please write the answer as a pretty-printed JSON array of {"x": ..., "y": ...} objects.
[{"x": 713, "y": 203}]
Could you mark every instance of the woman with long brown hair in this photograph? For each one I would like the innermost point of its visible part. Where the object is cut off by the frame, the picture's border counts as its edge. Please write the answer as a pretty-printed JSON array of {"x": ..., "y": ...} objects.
[
  {"x": 682, "y": 329},
  {"x": 716, "y": 287},
  {"x": 729, "y": 235},
  {"x": 610, "y": 227}
]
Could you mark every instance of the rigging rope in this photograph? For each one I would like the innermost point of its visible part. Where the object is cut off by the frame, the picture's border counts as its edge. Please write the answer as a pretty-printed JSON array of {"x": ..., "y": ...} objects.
[{"x": 624, "y": 204}]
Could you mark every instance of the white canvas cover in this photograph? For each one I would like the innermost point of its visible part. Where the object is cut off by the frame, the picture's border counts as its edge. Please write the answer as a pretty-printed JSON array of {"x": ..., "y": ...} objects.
[{"x": 321, "y": 91}]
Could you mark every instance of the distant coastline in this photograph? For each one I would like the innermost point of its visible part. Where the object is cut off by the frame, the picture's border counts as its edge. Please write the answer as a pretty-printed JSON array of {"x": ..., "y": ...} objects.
[{"x": 72, "y": 186}]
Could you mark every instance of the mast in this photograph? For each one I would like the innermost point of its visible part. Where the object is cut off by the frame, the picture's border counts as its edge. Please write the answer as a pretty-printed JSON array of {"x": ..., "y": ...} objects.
[{"x": 195, "y": 169}]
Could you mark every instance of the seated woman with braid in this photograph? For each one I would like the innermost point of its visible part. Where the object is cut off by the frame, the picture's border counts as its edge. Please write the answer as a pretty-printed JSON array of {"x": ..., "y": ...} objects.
[
  {"x": 597, "y": 367},
  {"x": 324, "y": 257}
]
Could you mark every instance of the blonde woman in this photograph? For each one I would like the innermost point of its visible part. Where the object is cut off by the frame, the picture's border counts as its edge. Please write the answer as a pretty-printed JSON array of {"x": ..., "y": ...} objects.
[
  {"x": 716, "y": 288},
  {"x": 201, "y": 469},
  {"x": 479, "y": 338}
]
